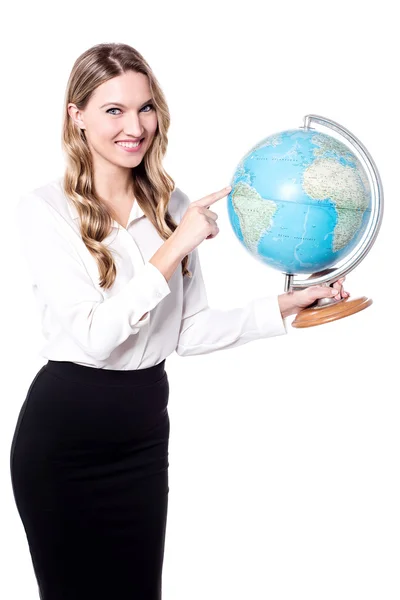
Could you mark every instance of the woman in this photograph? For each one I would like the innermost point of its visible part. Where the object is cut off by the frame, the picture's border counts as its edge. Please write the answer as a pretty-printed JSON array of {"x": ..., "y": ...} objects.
[{"x": 89, "y": 456}]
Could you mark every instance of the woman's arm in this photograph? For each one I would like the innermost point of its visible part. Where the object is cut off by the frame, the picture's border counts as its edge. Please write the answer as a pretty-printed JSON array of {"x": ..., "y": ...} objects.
[
  {"x": 96, "y": 324},
  {"x": 204, "y": 329}
]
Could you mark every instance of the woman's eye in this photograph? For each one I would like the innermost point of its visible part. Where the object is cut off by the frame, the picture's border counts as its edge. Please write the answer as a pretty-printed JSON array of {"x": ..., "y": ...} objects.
[{"x": 147, "y": 105}]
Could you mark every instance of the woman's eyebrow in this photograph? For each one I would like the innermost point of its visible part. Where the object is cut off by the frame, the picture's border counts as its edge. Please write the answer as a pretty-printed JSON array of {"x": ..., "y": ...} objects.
[{"x": 123, "y": 106}]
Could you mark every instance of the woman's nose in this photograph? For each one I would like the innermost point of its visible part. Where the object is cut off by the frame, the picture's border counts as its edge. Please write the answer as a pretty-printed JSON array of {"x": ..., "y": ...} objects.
[{"x": 133, "y": 126}]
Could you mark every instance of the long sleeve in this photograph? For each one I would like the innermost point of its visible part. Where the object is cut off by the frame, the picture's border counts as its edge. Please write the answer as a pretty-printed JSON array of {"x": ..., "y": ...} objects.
[
  {"x": 58, "y": 272},
  {"x": 204, "y": 330}
]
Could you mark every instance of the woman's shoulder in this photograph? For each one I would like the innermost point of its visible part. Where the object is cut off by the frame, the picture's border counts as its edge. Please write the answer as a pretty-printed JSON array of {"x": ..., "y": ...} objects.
[
  {"x": 49, "y": 195},
  {"x": 50, "y": 192}
]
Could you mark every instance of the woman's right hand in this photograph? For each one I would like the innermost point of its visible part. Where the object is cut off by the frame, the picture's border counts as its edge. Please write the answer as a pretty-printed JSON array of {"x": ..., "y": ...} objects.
[{"x": 198, "y": 223}]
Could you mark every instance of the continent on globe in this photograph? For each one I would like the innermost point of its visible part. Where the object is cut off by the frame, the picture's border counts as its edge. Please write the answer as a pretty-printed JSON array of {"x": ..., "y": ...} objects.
[
  {"x": 255, "y": 214},
  {"x": 328, "y": 178}
]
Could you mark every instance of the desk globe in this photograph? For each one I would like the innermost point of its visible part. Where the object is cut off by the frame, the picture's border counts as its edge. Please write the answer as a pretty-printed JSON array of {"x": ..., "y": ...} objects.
[{"x": 303, "y": 202}]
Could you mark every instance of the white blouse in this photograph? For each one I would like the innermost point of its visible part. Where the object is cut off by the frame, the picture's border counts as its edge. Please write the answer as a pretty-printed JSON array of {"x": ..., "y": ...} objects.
[{"x": 90, "y": 326}]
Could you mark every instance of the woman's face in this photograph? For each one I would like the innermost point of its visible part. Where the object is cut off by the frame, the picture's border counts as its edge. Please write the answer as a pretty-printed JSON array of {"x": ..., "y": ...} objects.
[{"x": 119, "y": 109}]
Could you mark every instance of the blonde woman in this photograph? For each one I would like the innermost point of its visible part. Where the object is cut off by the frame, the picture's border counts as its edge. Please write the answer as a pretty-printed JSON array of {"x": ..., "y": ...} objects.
[{"x": 112, "y": 250}]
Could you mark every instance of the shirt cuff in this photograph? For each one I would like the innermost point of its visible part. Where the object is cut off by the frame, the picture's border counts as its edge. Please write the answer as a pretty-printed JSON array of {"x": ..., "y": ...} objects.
[
  {"x": 268, "y": 317},
  {"x": 160, "y": 284},
  {"x": 154, "y": 290}
]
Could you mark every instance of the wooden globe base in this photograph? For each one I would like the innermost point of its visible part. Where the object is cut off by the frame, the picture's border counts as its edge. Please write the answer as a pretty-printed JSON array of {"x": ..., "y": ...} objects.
[{"x": 318, "y": 315}]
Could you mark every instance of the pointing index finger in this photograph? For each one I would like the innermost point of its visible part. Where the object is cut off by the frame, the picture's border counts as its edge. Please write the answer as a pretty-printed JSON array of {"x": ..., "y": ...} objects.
[{"x": 211, "y": 198}]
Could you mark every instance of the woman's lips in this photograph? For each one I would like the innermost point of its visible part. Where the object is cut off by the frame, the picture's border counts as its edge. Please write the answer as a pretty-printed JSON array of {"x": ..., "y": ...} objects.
[{"x": 135, "y": 149}]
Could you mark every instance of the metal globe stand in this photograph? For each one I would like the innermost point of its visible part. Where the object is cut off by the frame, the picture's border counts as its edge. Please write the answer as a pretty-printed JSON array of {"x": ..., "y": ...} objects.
[{"x": 327, "y": 309}]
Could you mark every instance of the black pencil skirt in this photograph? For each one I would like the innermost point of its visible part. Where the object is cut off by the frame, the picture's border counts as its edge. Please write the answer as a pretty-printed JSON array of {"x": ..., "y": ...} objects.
[{"x": 89, "y": 471}]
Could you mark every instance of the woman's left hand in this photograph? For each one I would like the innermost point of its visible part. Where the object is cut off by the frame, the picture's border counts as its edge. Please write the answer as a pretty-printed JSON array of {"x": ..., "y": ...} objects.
[{"x": 293, "y": 302}]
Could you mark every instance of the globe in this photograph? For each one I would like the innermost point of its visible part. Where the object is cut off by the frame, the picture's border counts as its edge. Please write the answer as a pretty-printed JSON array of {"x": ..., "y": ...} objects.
[{"x": 300, "y": 201}]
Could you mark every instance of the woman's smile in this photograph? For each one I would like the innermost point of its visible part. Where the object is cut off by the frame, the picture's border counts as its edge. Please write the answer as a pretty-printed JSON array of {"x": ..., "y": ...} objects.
[{"x": 130, "y": 146}]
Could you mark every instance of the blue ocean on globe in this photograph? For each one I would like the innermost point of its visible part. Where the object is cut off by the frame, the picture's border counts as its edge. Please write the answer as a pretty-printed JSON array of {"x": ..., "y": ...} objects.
[{"x": 300, "y": 201}]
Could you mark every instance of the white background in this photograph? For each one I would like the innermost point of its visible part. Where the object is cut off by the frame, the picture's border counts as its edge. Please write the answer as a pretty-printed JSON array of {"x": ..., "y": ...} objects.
[{"x": 284, "y": 453}]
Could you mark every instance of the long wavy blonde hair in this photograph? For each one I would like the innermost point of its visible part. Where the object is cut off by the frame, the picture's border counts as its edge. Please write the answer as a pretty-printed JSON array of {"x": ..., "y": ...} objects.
[{"x": 152, "y": 186}]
